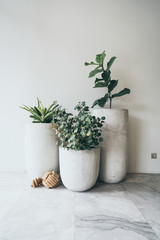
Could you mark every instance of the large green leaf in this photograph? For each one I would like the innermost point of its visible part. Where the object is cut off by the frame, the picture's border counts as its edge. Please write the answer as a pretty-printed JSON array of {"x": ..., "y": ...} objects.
[
  {"x": 98, "y": 79},
  {"x": 106, "y": 76},
  {"x": 100, "y": 84},
  {"x": 121, "y": 93},
  {"x": 101, "y": 102},
  {"x": 95, "y": 103},
  {"x": 100, "y": 58},
  {"x": 109, "y": 64},
  {"x": 94, "y": 72},
  {"x": 91, "y": 63},
  {"x": 112, "y": 85}
]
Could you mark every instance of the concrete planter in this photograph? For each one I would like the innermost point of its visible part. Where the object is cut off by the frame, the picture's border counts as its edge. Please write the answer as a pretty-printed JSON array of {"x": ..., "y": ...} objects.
[
  {"x": 114, "y": 153},
  {"x": 79, "y": 169},
  {"x": 41, "y": 151}
]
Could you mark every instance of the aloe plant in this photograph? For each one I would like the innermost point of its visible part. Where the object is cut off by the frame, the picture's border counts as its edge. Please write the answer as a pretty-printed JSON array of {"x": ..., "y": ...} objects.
[
  {"x": 79, "y": 132},
  {"x": 105, "y": 81},
  {"x": 42, "y": 114}
]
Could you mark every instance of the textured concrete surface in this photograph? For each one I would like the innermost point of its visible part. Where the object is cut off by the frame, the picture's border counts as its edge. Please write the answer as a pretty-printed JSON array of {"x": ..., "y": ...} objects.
[
  {"x": 114, "y": 154},
  {"x": 40, "y": 149},
  {"x": 79, "y": 169}
]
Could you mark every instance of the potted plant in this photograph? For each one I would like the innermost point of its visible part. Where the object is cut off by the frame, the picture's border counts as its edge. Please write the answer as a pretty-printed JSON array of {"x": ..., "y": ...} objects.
[
  {"x": 114, "y": 155},
  {"x": 41, "y": 151},
  {"x": 79, "y": 137}
]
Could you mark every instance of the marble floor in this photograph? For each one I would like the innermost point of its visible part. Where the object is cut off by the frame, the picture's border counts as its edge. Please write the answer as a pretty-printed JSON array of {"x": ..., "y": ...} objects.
[{"x": 128, "y": 211}]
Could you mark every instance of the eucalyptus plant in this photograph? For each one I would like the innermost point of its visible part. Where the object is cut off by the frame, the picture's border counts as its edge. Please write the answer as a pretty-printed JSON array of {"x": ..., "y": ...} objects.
[
  {"x": 42, "y": 114},
  {"x": 105, "y": 81},
  {"x": 79, "y": 132}
]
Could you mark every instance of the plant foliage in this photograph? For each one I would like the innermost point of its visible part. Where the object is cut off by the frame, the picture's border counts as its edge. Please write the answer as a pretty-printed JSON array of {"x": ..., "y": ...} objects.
[
  {"x": 42, "y": 114},
  {"x": 79, "y": 132},
  {"x": 105, "y": 81}
]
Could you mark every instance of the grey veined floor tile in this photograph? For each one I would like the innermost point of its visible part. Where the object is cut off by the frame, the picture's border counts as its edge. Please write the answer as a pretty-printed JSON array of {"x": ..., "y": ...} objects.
[
  {"x": 40, "y": 214},
  {"x": 146, "y": 197},
  {"x": 110, "y": 215},
  {"x": 11, "y": 188},
  {"x": 126, "y": 211}
]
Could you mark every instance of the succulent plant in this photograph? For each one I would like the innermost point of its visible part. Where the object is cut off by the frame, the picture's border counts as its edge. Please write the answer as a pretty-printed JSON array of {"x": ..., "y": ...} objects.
[
  {"x": 79, "y": 132},
  {"x": 105, "y": 81},
  {"x": 42, "y": 114}
]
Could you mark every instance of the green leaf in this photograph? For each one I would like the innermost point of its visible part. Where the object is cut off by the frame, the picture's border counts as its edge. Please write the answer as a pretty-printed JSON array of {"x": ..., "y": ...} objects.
[
  {"x": 26, "y": 108},
  {"x": 98, "y": 79},
  {"x": 99, "y": 66},
  {"x": 95, "y": 103},
  {"x": 94, "y": 72},
  {"x": 39, "y": 103},
  {"x": 37, "y": 111},
  {"x": 91, "y": 63},
  {"x": 112, "y": 85},
  {"x": 100, "y": 84},
  {"x": 121, "y": 93},
  {"x": 103, "y": 118},
  {"x": 106, "y": 76},
  {"x": 48, "y": 115},
  {"x": 36, "y": 116},
  {"x": 86, "y": 109},
  {"x": 100, "y": 139},
  {"x": 101, "y": 102},
  {"x": 100, "y": 58},
  {"x": 54, "y": 103},
  {"x": 109, "y": 64}
]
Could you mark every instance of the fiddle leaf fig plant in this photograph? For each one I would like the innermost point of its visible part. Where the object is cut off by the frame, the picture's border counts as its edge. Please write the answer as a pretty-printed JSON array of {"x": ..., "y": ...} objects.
[
  {"x": 42, "y": 114},
  {"x": 79, "y": 132},
  {"x": 105, "y": 80}
]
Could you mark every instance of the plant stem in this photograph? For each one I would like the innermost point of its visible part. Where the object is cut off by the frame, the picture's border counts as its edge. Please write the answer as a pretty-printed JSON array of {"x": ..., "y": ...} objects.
[{"x": 110, "y": 105}]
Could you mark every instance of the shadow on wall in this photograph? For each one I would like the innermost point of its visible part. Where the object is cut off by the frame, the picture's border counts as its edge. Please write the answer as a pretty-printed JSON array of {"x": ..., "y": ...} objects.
[{"x": 135, "y": 126}]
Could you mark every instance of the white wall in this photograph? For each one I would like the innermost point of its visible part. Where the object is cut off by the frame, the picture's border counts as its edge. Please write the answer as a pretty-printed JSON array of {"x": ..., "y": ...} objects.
[{"x": 43, "y": 47}]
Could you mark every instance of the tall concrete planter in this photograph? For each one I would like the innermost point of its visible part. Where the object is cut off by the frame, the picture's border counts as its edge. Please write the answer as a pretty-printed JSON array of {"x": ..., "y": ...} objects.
[
  {"x": 41, "y": 151},
  {"x": 79, "y": 169},
  {"x": 114, "y": 153}
]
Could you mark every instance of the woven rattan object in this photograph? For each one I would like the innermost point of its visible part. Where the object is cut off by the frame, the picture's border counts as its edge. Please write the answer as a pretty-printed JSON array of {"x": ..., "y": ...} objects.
[
  {"x": 36, "y": 182},
  {"x": 51, "y": 179}
]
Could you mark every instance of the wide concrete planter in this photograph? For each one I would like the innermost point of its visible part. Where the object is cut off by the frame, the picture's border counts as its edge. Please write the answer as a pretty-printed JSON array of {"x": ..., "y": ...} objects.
[
  {"x": 114, "y": 153},
  {"x": 41, "y": 151},
  {"x": 79, "y": 169}
]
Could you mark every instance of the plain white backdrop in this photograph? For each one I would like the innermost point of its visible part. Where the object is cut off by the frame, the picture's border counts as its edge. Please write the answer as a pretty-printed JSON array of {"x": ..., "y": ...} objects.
[{"x": 43, "y": 47}]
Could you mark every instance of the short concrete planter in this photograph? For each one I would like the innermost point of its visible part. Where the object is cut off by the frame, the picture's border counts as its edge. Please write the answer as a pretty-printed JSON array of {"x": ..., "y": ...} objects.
[
  {"x": 114, "y": 153},
  {"x": 79, "y": 169},
  {"x": 41, "y": 151}
]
